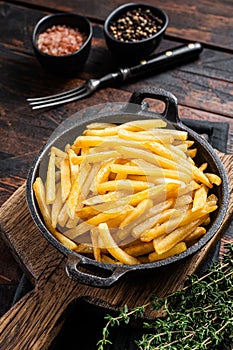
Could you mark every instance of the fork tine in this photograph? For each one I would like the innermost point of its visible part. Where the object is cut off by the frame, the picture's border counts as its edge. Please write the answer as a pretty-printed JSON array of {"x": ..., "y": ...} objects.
[
  {"x": 44, "y": 98},
  {"x": 59, "y": 97},
  {"x": 61, "y": 101}
]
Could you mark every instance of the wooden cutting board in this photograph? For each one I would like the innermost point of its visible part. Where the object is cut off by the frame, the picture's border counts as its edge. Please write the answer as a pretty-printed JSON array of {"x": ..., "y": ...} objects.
[{"x": 35, "y": 320}]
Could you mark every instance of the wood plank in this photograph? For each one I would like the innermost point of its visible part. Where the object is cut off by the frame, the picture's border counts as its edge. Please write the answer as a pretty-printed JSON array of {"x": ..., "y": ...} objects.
[{"x": 208, "y": 21}]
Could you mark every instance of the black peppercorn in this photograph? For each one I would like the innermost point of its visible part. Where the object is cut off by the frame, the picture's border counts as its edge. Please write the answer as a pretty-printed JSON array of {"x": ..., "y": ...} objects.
[{"x": 135, "y": 25}]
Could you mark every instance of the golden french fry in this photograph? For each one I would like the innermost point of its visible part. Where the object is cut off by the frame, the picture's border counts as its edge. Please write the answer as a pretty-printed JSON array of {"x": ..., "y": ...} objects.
[
  {"x": 95, "y": 244},
  {"x": 96, "y": 220},
  {"x": 101, "y": 156},
  {"x": 90, "y": 177},
  {"x": 159, "y": 149},
  {"x": 100, "y": 125},
  {"x": 149, "y": 171},
  {"x": 108, "y": 131},
  {"x": 118, "y": 183},
  {"x": 183, "y": 201},
  {"x": 87, "y": 141},
  {"x": 125, "y": 185},
  {"x": 203, "y": 166},
  {"x": 177, "y": 249},
  {"x": 65, "y": 241},
  {"x": 192, "y": 152},
  {"x": 196, "y": 234},
  {"x": 198, "y": 175},
  {"x": 113, "y": 248},
  {"x": 84, "y": 248},
  {"x": 63, "y": 216},
  {"x": 65, "y": 179},
  {"x": 200, "y": 197},
  {"x": 139, "y": 248},
  {"x": 146, "y": 124},
  {"x": 185, "y": 218},
  {"x": 139, "y": 210},
  {"x": 39, "y": 191},
  {"x": 214, "y": 179},
  {"x": 158, "y": 225},
  {"x": 50, "y": 187},
  {"x": 56, "y": 207},
  {"x": 103, "y": 173},
  {"x": 176, "y": 134},
  {"x": 58, "y": 153},
  {"x": 72, "y": 222},
  {"x": 146, "y": 136},
  {"x": 102, "y": 198},
  {"x": 108, "y": 260},
  {"x": 173, "y": 238},
  {"x": 141, "y": 221}
]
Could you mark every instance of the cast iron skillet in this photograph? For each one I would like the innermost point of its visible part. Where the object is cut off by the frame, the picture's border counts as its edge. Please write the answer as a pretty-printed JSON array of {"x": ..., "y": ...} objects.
[{"x": 83, "y": 269}]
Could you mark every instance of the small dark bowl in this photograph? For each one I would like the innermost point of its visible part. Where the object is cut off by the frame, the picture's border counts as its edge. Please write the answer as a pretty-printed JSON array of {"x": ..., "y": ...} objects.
[
  {"x": 134, "y": 50},
  {"x": 66, "y": 63}
]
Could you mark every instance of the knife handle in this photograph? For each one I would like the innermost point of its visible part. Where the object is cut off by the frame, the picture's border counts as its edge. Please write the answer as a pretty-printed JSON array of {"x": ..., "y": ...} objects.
[{"x": 163, "y": 60}]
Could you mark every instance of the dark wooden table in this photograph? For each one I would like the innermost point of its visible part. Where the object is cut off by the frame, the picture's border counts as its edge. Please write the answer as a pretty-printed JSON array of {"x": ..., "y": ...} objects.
[{"x": 204, "y": 88}]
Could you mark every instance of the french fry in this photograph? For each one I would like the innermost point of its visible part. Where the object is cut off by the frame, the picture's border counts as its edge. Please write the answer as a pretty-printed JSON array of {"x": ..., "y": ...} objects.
[
  {"x": 39, "y": 191},
  {"x": 73, "y": 198},
  {"x": 196, "y": 234},
  {"x": 142, "y": 220},
  {"x": 102, "y": 198},
  {"x": 200, "y": 198},
  {"x": 185, "y": 218},
  {"x": 146, "y": 136},
  {"x": 176, "y": 236},
  {"x": 127, "y": 194},
  {"x": 214, "y": 179},
  {"x": 203, "y": 166},
  {"x": 100, "y": 126},
  {"x": 192, "y": 152},
  {"x": 177, "y": 249},
  {"x": 65, "y": 241},
  {"x": 50, "y": 187},
  {"x": 125, "y": 185},
  {"x": 56, "y": 207},
  {"x": 95, "y": 221},
  {"x": 95, "y": 245},
  {"x": 150, "y": 171},
  {"x": 159, "y": 225},
  {"x": 65, "y": 178},
  {"x": 137, "y": 211},
  {"x": 146, "y": 124},
  {"x": 113, "y": 248},
  {"x": 108, "y": 131},
  {"x": 74, "y": 165},
  {"x": 139, "y": 248},
  {"x": 58, "y": 153},
  {"x": 151, "y": 158},
  {"x": 63, "y": 216},
  {"x": 198, "y": 175}
]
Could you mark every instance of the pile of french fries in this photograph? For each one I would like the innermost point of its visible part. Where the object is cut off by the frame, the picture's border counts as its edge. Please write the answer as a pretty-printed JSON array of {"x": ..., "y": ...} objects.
[{"x": 127, "y": 194}]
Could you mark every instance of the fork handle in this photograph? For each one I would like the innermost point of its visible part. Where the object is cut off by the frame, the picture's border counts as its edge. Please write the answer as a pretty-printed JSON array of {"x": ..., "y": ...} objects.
[{"x": 166, "y": 59}]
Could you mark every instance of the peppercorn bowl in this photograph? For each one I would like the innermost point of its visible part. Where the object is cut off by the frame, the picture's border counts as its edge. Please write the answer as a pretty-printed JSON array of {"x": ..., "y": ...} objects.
[
  {"x": 62, "y": 42},
  {"x": 133, "y": 30}
]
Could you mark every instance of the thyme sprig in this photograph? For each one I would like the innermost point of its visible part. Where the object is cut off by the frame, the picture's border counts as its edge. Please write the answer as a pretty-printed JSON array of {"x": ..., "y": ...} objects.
[{"x": 197, "y": 317}]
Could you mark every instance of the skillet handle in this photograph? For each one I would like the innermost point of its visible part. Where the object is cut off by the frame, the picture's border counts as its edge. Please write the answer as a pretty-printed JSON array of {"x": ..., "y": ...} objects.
[
  {"x": 73, "y": 271},
  {"x": 171, "y": 104}
]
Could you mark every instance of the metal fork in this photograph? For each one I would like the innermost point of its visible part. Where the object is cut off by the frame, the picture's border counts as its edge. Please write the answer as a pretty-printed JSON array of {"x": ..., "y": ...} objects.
[{"x": 158, "y": 62}]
